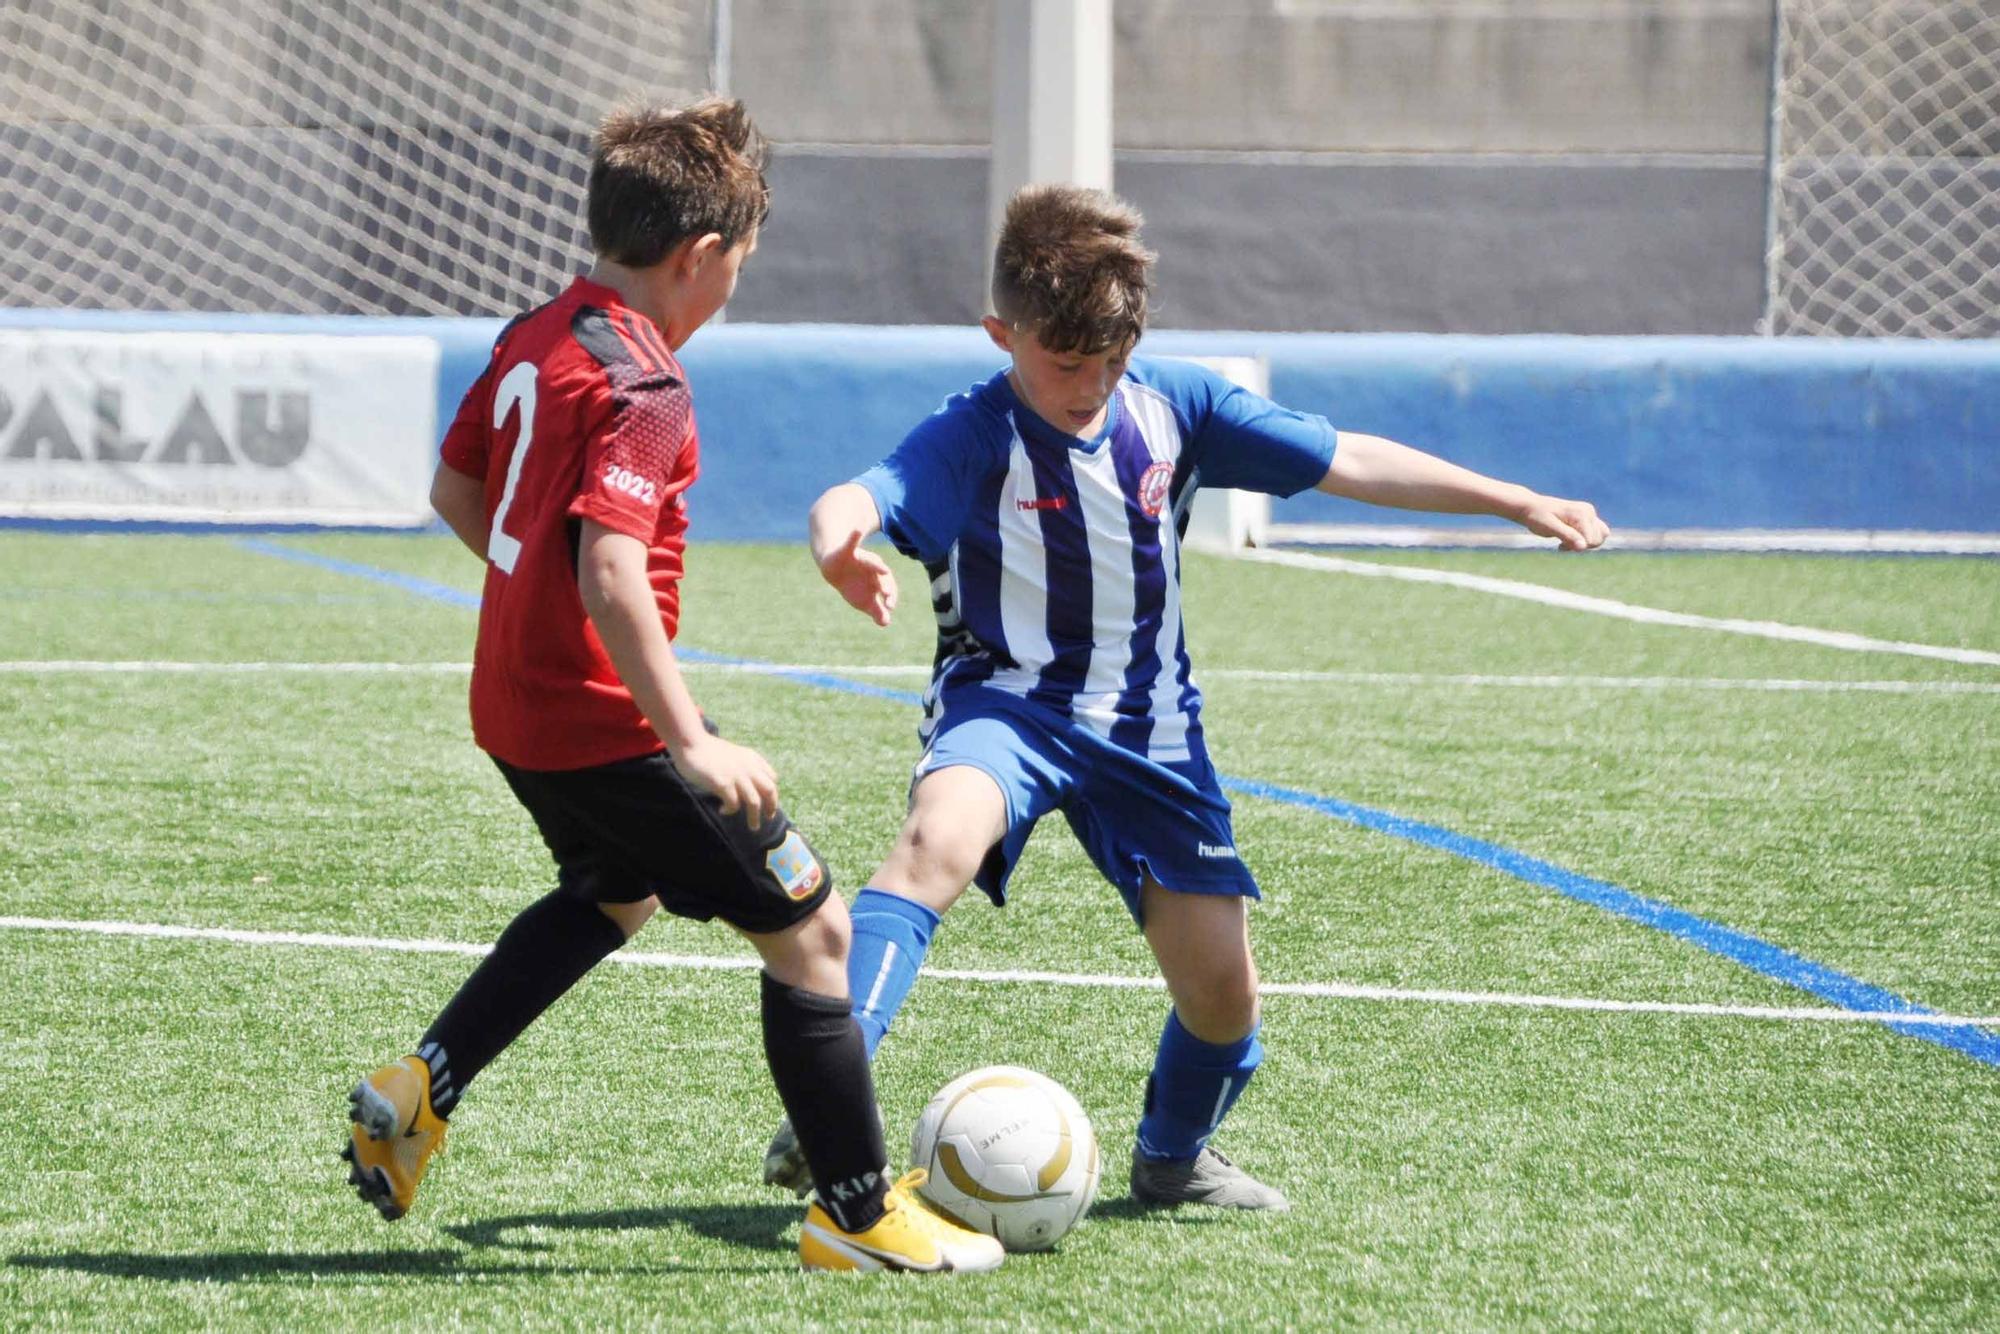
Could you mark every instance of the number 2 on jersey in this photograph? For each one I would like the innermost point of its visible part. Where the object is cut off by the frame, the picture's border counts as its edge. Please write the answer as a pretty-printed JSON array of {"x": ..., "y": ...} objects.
[{"x": 516, "y": 387}]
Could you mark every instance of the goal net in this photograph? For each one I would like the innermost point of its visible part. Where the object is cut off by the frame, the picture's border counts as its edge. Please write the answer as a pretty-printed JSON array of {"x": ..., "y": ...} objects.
[
  {"x": 1885, "y": 169},
  {"x": 314, "y": 156}
]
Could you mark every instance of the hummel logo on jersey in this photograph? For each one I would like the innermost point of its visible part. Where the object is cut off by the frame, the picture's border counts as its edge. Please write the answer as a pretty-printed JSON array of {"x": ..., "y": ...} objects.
[
  {"x": 1219, "y": 851},
  {"x": 1043, "y": 503}
]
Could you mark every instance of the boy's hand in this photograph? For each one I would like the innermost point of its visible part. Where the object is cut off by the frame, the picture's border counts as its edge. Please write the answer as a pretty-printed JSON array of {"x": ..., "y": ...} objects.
[
  {"x": 863, "y": 578},
  {"x": 1573, "y": 522},
  {"x": 737, "y": 776}
]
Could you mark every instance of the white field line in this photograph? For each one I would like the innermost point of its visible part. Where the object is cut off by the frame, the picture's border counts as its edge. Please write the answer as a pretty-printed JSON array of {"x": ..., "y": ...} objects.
[
  {"x": 151, "y": 667},
  {"x": 53, "y": 667},
  {"x": 1102, "y": 981},
  {"x": 1613, "y": 682},
  {"x": 1625, "y": 611}
]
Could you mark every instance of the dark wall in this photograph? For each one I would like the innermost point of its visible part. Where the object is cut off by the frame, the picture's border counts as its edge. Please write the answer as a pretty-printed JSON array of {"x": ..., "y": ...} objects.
[{"x": 1430, "y": 243}]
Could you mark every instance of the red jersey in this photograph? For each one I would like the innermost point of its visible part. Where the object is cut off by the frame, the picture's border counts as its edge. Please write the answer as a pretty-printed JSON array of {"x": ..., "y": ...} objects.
[{"x": 583, "y": 413}]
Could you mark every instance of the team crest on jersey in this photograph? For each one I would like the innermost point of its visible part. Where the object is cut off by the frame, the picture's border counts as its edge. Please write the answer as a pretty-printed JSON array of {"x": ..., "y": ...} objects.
[
  {"x": 794, "y": 867},
  {"x": 1154, "y": 485}
]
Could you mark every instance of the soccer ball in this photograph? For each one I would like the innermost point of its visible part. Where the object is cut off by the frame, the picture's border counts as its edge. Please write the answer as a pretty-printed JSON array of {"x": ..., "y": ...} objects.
[{"x": 1010, "y": 1154}]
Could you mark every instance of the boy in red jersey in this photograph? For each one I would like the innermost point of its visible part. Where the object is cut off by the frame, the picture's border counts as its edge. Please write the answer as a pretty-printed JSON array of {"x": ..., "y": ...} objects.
[{"x": 566, "y": 471}]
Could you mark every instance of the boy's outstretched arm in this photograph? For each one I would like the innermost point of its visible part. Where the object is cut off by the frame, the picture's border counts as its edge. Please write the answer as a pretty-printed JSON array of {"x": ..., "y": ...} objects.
[
  {"x": 617, "y": 595},
  {"x": 461, "y": 502},
  {"x": 1382, "y": 472},
  {"x": 841, "y": 520}
]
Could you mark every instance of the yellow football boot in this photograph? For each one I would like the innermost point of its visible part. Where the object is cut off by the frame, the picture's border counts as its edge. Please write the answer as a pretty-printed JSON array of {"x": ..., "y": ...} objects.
[
  {"x": 395, "y": 1133},
  {"x": 907, "y": 1237}
]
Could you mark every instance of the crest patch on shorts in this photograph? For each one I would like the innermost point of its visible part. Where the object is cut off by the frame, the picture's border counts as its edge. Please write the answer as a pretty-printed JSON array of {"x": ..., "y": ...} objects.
[{"x": 794, "y": 867}]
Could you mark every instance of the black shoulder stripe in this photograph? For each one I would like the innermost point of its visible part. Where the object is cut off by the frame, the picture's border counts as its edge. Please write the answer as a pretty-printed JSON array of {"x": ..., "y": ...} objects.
[
  {"x": 593, "y": 327},
  {"x": 645, "y": 341},
  {"x": 649, "y": 334}
]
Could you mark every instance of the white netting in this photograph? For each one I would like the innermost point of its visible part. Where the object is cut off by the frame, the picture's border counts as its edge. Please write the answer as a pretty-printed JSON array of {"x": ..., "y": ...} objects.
[
  {"x": 322, "y": 156},
  {"x": 1886, "y": 169}
]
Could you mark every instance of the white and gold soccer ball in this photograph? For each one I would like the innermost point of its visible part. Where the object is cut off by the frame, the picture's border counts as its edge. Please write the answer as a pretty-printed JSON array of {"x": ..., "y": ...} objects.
[{"x": 1010, "y": 1153}]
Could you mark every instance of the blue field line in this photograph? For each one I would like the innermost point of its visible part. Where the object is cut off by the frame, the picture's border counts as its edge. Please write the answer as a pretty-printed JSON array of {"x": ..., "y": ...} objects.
[
  {"x": 1759, "y": 956},
  {"x": 409, "y": 583},
  {"x": 821, "y": 679},
  {"x": 459, "y": 597}
]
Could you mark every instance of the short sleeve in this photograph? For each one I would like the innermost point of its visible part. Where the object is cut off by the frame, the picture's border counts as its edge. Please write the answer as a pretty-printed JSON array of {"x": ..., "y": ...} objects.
[
  {"x": 1240, "y": 439},
  {"x": 630, "y": 462},
  {"x": 925, "y": 490},
  {"x": 469, "y": 440}
]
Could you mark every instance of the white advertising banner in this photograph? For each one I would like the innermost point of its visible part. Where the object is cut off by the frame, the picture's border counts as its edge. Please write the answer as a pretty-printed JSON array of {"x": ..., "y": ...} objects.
[{"x": 217, "y": 428}]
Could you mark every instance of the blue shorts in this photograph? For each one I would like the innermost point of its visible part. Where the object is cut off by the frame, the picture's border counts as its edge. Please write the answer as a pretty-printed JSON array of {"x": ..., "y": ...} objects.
[{"x": 1134, "y": 816}]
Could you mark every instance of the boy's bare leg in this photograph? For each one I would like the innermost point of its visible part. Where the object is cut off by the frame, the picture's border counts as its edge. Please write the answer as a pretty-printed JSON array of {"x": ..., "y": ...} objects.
[
  {"x": 1207, "y": 1054},
  {"x": 956, "y": 815},
  {"x": 1202, "y": 943},
  {"x": 629, "y": 917},
  {"x": 811, "y": 954}
]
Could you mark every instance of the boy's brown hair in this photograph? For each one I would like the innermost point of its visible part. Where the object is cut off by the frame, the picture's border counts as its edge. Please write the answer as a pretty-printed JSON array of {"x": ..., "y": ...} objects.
[
  {"x": 1070, "y": 269},
  {"x": 662, "y": 174}
]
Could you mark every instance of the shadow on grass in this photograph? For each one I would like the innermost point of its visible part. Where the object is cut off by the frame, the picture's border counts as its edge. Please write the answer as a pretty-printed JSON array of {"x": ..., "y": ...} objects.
[
  {"x": 760, "y": 1227},
  {"x": 320, "y": 1266},
  {"x": 1125, "y": 1207},
  {"x": 262, "y": 1267}
]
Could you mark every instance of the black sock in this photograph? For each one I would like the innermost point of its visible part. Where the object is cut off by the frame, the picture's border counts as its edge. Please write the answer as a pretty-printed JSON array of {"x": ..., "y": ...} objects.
[
  {"x": 820, "y": 1065},
  {"x": 541, "y": 954}
]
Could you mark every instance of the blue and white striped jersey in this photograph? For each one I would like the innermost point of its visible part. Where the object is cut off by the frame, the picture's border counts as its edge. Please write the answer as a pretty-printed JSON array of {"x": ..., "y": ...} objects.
[{"x": 1056, "y": 560}]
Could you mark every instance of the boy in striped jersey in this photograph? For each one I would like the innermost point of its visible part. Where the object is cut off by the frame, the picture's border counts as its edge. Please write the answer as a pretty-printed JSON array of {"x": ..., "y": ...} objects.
[{"x": 1046, "y": 506}]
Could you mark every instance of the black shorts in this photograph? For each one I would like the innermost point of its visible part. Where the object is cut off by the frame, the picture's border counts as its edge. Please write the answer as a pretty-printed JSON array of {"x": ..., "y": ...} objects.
[{"x": 621, "y": 832}]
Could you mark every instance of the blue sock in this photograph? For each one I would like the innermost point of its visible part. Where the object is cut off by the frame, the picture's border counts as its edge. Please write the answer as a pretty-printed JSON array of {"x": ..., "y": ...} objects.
[
  {"x": 891, "y": 935},
  {"x": 1193, "y": 1086}
]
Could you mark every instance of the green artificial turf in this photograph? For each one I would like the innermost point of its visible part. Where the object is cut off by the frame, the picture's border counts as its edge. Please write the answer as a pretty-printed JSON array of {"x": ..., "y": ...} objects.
[{"x": 175, "y": 1103}]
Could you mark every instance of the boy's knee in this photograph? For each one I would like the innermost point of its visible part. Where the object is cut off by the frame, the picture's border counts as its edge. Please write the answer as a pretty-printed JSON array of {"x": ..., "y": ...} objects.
[
  {"x": 1222, "y": 1014},
  {"x": 826, "y": 935},
  {"x": 811, "y": 954},
  {"x": 937, "y": 858},
  {"x": 819, "y": 942},
  {"x": 957, "y": 815}
]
